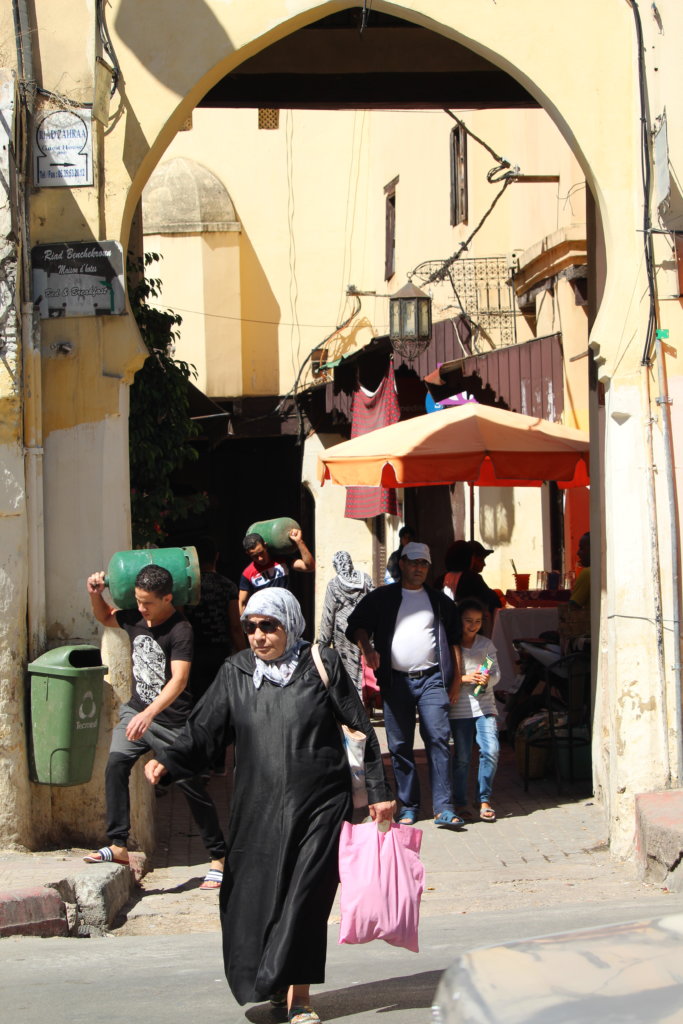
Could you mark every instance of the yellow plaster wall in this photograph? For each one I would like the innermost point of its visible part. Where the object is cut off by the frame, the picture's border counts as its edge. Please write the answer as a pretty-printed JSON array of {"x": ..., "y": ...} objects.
[{"x": 585, "y": 74}]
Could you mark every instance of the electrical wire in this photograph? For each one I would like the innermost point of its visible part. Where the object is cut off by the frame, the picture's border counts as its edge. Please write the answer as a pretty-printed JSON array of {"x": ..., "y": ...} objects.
[
  {"x": 501, "y": 160},
  {"x": 240, "y": 319},
  {"x": 646, "y": 171},
  {"x": 108, "y": 46},
  {"x": 293, "y": 391},
  {"x": 291, "y": 254},
  {"x": 440, "y": 274}
]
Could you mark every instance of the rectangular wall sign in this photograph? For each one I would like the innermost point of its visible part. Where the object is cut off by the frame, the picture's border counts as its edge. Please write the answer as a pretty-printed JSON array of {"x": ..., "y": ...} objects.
[{"x": 78, "y": 279}]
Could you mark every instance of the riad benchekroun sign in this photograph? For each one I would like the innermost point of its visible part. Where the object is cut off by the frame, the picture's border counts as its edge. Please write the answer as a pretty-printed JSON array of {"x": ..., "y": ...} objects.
[{"x": 78, "y": 279}]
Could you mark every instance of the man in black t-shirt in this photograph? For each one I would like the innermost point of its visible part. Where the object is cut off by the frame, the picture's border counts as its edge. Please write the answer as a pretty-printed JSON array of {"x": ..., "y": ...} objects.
[{"x": 161, "y": 656}]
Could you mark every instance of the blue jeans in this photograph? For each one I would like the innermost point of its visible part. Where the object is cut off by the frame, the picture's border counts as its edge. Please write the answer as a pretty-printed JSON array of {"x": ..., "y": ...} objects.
[
  {"x": 426, "y": 695},
  {"x": 485, "y": 728}
]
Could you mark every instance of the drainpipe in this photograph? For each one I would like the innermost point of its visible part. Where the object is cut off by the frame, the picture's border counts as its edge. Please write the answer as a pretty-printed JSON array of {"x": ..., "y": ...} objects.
[
  {"x": 31, "y": 355},
  {"x": 652, "y": 335},
  {"x": 33, "y": 475},
  {"x": 664, "y": 403},
  {"x": 655, "y": 568}
]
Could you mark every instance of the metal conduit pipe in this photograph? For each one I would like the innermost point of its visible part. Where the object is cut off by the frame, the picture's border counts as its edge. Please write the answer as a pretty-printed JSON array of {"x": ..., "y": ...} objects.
[
  {"x": 664, "y": 402},
  {"x": 650, "y": 494},
  {"x": 31, "y": 353}
]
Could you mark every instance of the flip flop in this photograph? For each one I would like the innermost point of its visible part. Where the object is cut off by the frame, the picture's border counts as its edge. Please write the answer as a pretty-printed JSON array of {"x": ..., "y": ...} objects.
[
  {"x": 212, "y": 879},
  {"x": 487, "y": 814},
  {"x": 303, "y": 1015},
  {"x": 105, "y": 855},
  {"x": 448, "y": 818}
]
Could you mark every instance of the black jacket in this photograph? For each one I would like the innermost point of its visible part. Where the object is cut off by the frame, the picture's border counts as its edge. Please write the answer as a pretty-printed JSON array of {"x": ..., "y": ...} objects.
[{"x": 377, "y": 614}]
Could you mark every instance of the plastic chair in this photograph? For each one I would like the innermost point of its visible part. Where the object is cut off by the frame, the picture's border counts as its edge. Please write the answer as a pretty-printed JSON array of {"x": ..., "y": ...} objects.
[{"x": 570, "y": 678}]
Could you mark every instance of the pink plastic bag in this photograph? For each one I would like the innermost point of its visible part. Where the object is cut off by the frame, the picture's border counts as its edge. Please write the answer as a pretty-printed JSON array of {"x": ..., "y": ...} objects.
[{"x": 382, "y": 880}]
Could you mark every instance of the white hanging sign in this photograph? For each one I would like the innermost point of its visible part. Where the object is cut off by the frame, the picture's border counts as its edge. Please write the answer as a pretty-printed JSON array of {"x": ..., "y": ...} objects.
[{"x": 63, "y": 149}]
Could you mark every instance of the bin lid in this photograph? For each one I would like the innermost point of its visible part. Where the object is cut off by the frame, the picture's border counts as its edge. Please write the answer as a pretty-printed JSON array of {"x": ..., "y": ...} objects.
[{"x": 70, "y": 659}]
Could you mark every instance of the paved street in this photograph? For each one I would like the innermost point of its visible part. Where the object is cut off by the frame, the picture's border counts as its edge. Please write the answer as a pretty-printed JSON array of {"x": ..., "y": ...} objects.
[{"x": 542, "y": 867}]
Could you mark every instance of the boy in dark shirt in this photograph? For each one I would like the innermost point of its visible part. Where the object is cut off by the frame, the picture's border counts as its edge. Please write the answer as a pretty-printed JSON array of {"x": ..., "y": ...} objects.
[{"x": 161, "y": 656}]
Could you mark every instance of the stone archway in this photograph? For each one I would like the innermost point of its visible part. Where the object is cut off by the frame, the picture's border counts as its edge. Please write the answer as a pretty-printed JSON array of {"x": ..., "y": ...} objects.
[
  {"x": 170, "y": 59},
  {"x": 551, "y": 76}
]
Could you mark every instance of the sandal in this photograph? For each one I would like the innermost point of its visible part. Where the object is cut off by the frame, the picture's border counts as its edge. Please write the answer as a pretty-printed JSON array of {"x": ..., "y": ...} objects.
[
  {"x": 212, "y": 879},
  {"x": 303, "y": 1015},
  {"x": 278, "y": 999},
  {"x": 408, "y": 816},
  {"x": 448, "y": 818},
  {"x": 105, "y": 855},
  {"x": 487, "y": 813}
]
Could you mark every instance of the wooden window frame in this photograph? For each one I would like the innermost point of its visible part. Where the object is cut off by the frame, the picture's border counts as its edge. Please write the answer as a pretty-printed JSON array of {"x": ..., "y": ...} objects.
[
  {"x": 390, "y": 229},
  {"x": 459, "y": 196}
]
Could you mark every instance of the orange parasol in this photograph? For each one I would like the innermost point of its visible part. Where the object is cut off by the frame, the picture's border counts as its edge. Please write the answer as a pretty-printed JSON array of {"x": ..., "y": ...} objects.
[{"x": 479, "y": 444}]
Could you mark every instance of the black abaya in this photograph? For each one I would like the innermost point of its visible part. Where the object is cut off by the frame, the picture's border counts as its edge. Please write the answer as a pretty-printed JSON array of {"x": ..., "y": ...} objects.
[{"x": 291, "y": 794}]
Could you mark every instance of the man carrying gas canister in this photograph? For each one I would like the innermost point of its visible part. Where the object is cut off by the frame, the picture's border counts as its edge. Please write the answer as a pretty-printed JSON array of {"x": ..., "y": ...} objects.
[{"x": 161, "y": 656}]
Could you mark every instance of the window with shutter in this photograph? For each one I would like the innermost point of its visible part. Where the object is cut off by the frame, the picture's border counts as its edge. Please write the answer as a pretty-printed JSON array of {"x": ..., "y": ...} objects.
[
  {"x": 458, "y": 175},
  {"x": 390, "y": 226}
]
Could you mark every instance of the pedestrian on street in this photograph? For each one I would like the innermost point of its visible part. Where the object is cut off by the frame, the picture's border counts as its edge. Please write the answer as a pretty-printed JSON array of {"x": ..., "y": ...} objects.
[
  {"x": 392, "y": 573},
  {"x": 292, "y": 793},
  {"x": 215, "y": 620},
  {"x": 161, "y": 655},
  {"x": 473, "y": 711},
  {"x": 266, "y": 571},
  {"x": 407, "y": 633},
  {"x": 343, "y": 593}
]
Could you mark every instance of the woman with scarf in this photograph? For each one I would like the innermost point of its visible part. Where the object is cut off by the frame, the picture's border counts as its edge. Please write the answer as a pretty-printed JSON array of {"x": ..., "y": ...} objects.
[
  {"x": 292, "y": 792},
  {"x": 343, "y": 593}
]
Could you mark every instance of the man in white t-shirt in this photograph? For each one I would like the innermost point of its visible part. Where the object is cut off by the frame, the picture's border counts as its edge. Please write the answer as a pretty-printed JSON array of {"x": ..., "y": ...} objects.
[{"x": 407, "y": 634}]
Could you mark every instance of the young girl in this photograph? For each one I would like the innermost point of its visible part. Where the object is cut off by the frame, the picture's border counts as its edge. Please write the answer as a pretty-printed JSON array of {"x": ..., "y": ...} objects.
[{"x": 474, "y": 715}]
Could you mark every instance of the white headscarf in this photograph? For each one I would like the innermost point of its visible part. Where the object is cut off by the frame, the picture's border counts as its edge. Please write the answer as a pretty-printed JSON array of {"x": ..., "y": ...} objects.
[
  {"x": 349, "y": 578},
  {"x": 279, "y": 604}
]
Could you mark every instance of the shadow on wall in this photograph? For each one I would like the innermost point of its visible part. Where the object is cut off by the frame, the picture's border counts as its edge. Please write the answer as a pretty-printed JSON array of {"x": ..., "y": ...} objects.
[
  {"x": 178, "y": 51},
  {"x": 496, "y": 515},
  {"x": 260, "y": 325}
]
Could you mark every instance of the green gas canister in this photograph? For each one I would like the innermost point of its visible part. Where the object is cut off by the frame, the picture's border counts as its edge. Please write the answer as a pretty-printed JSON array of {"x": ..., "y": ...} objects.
[
  {"x": 182, "y": 563},
  {"x": 275, "y": 533}
]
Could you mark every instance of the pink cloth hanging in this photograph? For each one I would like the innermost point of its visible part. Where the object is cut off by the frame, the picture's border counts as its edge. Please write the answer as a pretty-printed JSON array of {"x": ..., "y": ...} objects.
[{"x": 369, "y": 412}]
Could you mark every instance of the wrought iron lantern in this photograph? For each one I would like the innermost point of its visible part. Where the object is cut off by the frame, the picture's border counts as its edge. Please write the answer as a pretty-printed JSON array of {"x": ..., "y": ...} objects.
[{"x": 410, "y": 321}]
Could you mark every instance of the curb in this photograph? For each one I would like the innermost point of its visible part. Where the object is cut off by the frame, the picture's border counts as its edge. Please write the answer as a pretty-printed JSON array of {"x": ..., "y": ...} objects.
[
  {"x": 33, "y": 911},
  {"x": 659, "y": 837},
  {"x": 82, "y": 903}
]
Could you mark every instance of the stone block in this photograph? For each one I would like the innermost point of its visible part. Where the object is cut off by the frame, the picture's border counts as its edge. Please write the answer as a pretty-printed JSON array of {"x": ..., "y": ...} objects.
[{"x": 33, "y": 911}]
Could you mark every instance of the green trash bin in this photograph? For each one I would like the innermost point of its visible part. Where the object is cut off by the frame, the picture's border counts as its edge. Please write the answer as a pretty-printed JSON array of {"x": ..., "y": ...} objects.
[{"x": 66, "y": 699}]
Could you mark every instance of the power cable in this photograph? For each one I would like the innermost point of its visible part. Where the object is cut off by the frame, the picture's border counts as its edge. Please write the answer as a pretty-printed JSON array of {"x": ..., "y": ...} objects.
[{"x": 646, "y": 172}]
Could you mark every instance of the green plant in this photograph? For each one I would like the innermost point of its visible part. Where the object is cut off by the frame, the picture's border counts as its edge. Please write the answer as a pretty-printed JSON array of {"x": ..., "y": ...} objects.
[{"x": 160, "y": 429}]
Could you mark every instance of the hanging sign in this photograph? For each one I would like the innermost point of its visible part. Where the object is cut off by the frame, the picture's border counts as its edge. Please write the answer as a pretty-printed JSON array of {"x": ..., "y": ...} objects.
[
  {"x": 78, "y": 279},
  {"x": 62, "y": 148}
]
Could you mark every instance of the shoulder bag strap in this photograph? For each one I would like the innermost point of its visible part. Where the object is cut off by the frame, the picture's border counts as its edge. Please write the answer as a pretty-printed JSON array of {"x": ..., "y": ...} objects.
[{"x": 322, "y": 671}]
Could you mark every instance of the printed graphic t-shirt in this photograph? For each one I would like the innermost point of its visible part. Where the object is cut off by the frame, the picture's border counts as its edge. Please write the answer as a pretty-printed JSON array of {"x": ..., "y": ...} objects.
[
  {"x": 254, "y": 579},
  {"x": 153, "y": 648}
]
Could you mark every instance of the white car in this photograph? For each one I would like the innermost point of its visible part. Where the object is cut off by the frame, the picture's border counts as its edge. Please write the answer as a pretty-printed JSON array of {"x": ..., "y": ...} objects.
[{"x": 620, "y": 974}]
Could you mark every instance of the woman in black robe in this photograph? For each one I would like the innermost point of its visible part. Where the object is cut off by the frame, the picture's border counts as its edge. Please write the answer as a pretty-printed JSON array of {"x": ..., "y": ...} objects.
[{"x": 292, "y": 791}]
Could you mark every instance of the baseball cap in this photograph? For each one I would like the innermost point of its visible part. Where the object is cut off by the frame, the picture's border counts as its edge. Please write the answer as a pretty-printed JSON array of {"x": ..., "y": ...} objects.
[
  {"x": 478, "y": 549},
  {"x": 415, "y": 550}
]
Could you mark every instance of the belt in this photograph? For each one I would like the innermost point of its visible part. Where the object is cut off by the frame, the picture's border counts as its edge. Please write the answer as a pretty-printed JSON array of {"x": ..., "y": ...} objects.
[{"x": 420, "y": 673}]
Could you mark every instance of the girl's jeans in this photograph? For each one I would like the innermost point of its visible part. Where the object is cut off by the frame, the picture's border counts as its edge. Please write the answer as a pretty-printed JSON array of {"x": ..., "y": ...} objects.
[{"x": 464, "y": 730}]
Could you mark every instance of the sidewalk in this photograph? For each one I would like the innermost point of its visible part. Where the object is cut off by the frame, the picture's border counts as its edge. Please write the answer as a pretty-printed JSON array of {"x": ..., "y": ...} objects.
[{"x": 544, "y": 848}]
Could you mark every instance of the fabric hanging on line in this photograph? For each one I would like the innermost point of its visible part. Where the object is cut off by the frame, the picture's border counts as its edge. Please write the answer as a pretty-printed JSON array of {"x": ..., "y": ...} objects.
[{"x": 369, "y": 412}]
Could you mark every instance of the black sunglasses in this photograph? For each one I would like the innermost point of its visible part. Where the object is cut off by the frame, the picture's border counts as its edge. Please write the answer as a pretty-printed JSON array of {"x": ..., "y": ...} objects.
[{"x": 265, "y": 625}]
